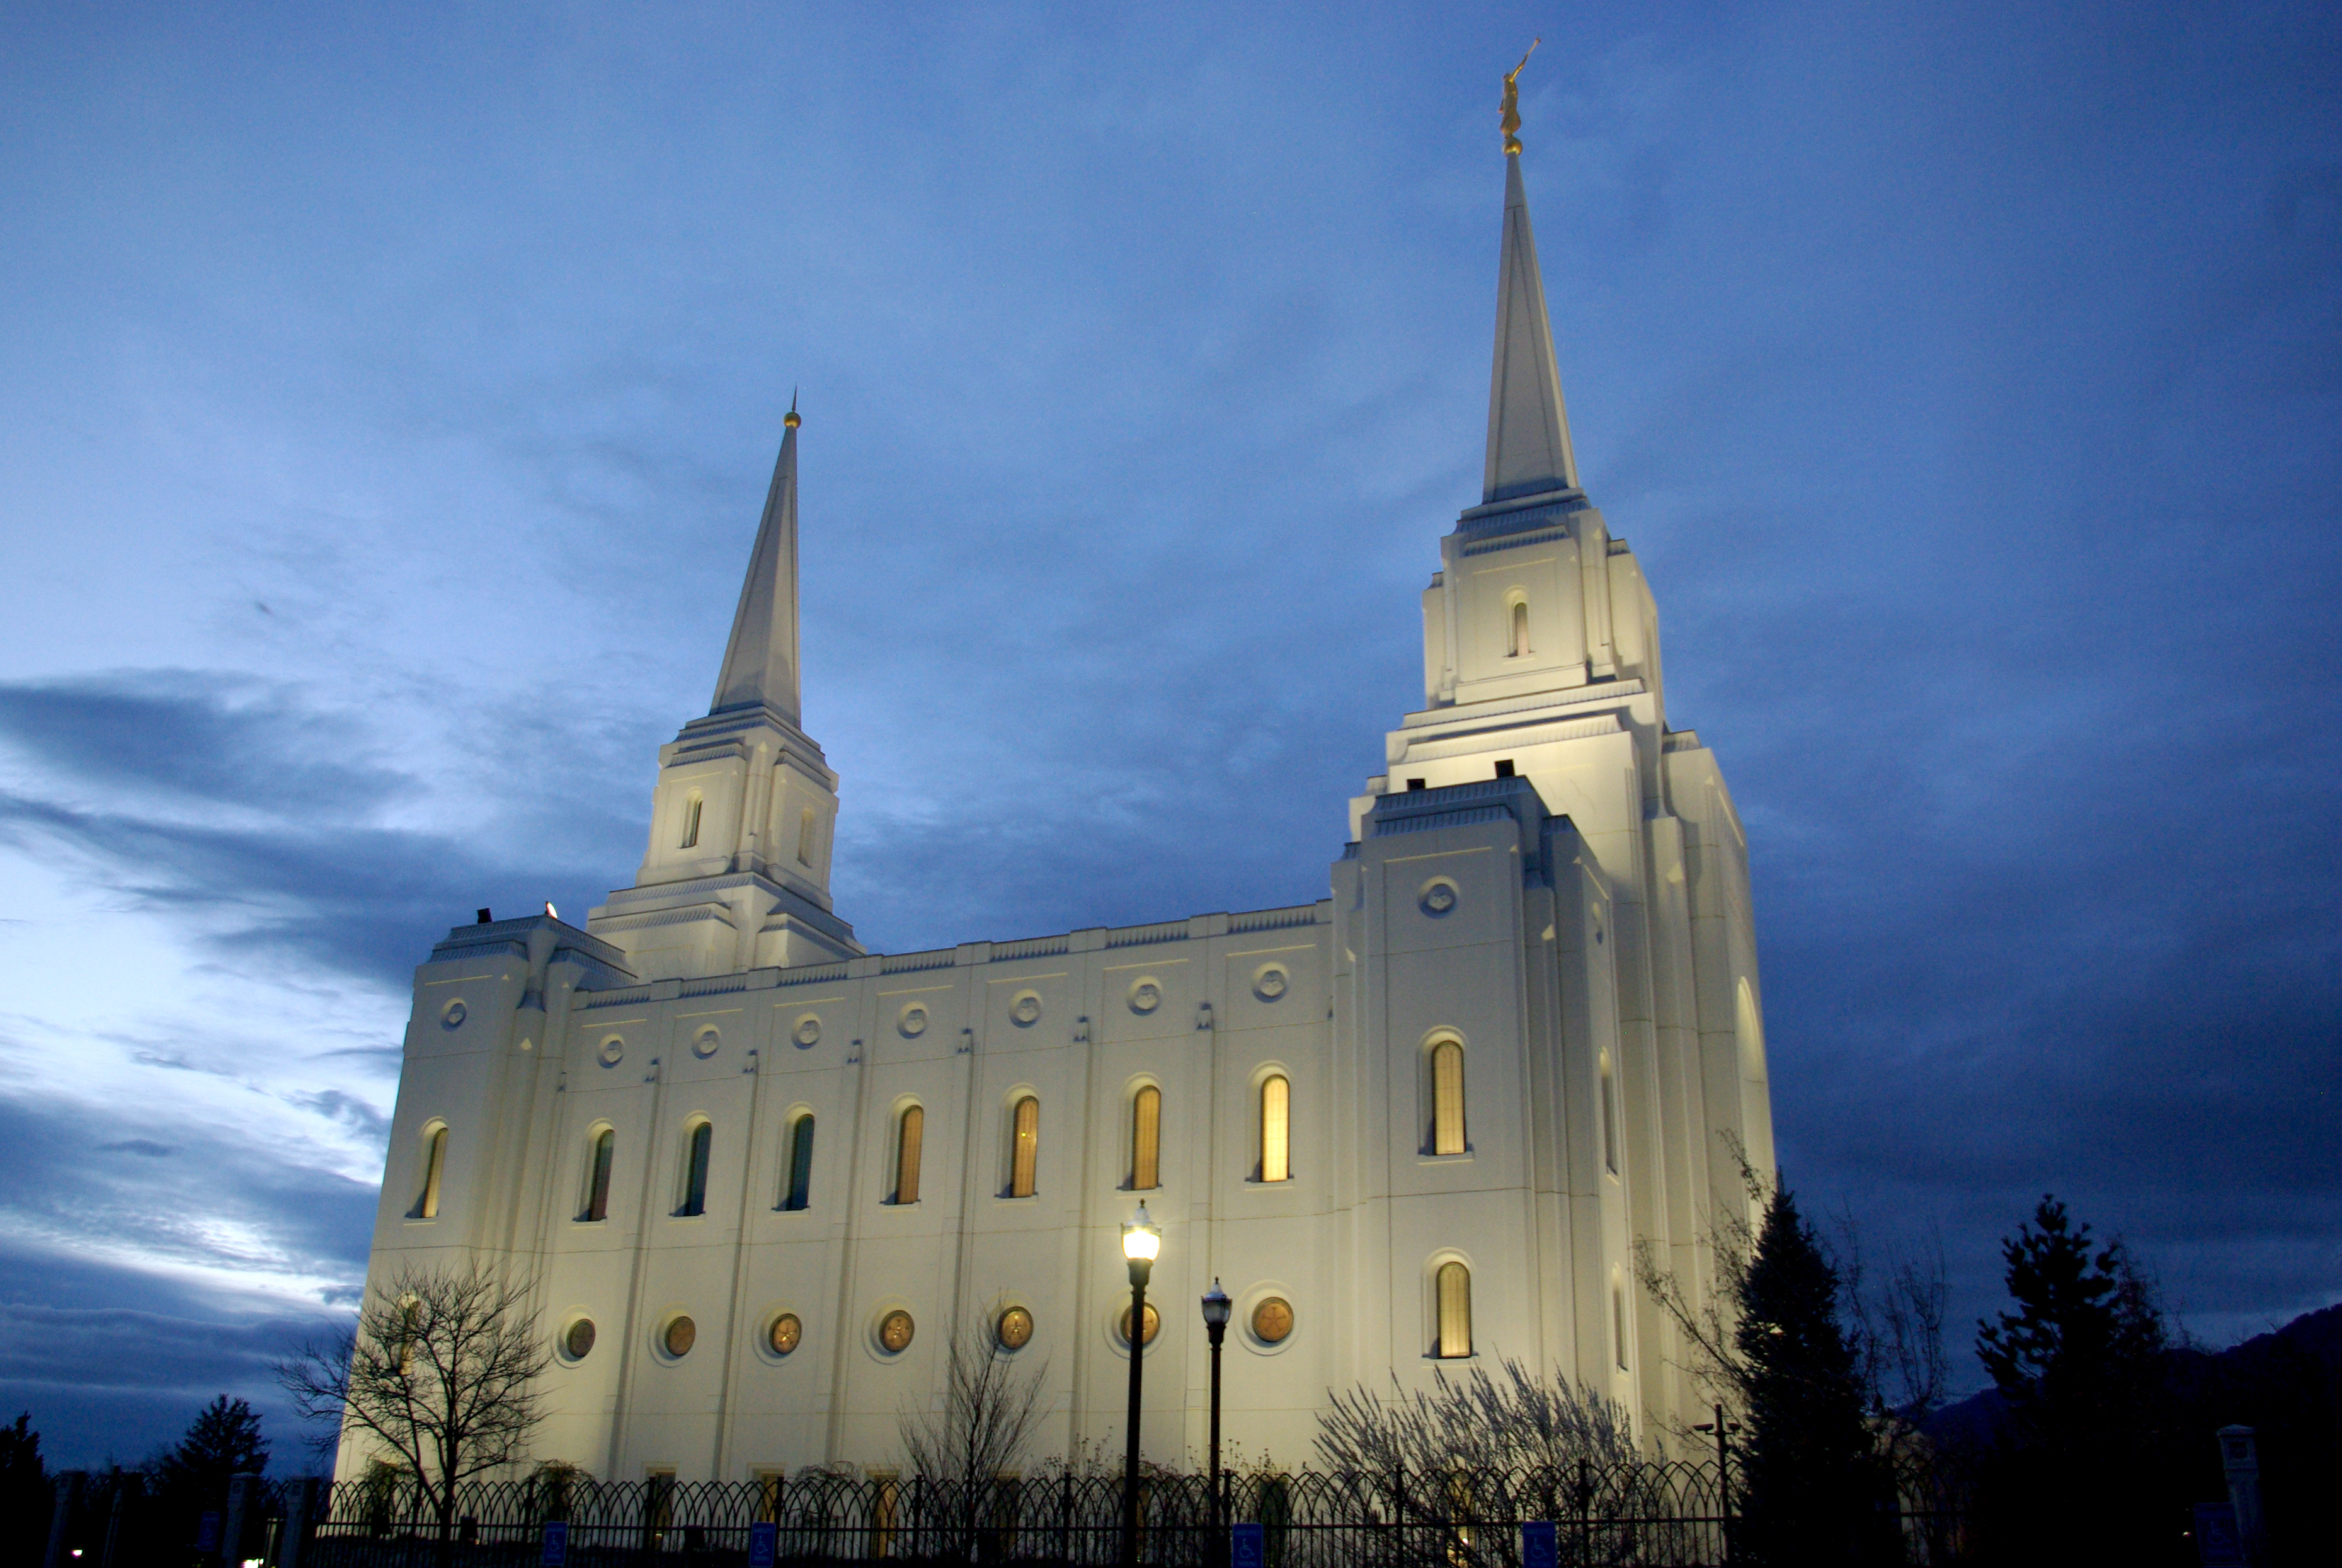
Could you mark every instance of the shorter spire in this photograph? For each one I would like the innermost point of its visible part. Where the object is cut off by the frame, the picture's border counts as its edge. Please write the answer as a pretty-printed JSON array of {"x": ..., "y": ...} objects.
[{"x": 760, "y": 662}]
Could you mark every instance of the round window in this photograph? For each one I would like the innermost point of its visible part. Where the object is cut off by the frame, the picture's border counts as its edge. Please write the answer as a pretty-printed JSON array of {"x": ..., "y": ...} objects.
[
  {"x": 578, "y": 1342},
  {"x": 455, "y": 1015},
  {"x": 808, "y": 1032},
  {"x": 894, "y": 1331},
  {"x": 1272, "y": 1320},
  {"x": 1270, "y": 983},
  {"x": 914, "y": 1021},
  {"x": 1438, "y": 897},
  {"x": 612, "y": 1051},
  {"x": 1026, "y": 1009},
  {"x": 783, "y": 1334},
  {"x": 1015, "y": 1328},
  {"x": 680, "y": 1336},
  {"x": 706, "y": 1043},
  {"x": 1146, "y": 996},
  {"x": 1154, "y": 1323}
]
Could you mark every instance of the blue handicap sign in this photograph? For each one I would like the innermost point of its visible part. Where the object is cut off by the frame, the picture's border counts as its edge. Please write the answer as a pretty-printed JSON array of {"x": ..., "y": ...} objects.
[
  {"x": 2217, "y": 1545},
  {"x": 556, "y": 1543},
  {"x": 1540, "y": 1545},
  {"x": 763, "y": 1541},
  {"x": 1247, "y": 1546},
  {"x": 207, "y": 1534}
]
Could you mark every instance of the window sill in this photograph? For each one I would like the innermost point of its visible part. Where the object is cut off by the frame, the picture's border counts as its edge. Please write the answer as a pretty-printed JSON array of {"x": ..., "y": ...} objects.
[
  {"x": 1026, "y": 1198},
  {"x": 1463, "y": 1159},
  {"x": 1263, "y": 1182}
]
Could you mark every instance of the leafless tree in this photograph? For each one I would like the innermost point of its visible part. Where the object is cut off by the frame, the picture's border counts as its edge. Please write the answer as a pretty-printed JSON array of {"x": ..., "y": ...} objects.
[
  {"x": 1896, "y": 1324},
  {"x": 1461, "y": 1464},
  {"x": 438, "y": 1378},
  {"x": 1708, "y": 1325},
  {"x": 1508, "y": 1424},
  {"x": 963, "y": 1447}
]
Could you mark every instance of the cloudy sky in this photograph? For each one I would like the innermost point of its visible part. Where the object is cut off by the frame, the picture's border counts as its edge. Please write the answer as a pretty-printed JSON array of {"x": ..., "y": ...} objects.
[{"x": 388, "y": 395}]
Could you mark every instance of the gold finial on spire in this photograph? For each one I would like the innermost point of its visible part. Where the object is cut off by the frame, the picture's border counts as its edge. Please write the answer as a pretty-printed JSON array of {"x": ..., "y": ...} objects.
[
  {"x": 791, "y": 419},
  {"x": 1512, "y": 102}
]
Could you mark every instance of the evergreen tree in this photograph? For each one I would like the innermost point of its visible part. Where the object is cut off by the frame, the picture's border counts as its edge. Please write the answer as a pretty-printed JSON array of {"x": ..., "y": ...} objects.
[
  {"x": 1813, "y": 1486},
  {"x": 224, "y": 1440},
  {"x": 2077, "y": 1465},
  {"x": 23, "y": 1493}
]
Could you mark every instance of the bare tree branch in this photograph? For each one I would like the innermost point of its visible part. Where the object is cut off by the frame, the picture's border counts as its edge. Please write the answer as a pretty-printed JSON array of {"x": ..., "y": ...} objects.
[{"x": 439, "y": 1377}]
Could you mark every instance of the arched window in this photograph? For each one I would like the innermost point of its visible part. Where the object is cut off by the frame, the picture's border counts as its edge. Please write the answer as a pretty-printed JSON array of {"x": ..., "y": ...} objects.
[
  {"x": 1609, "y": 1118},
  {"x": 1618, "y": 1321},
  {"x": 1520, "y": 628},
  {"x": 805, "y": 837},
  {"x": 1025, "y": 1150},
  {"x": 691, "y": 822},
  {"x": 800, "y": 1187},
  {"x": 1146, "y": 1138},
  {"x": 599, "y": 1155},
  {"x": 1448, "y": 1098},
  {"x": 1455, "y": 1282},
  {"x": 695, "y": 1169},
  {"x": 435, "y": 1164},
  {"x": 908, "y": 1131},
  {"x": 1276, "y": 1150}
]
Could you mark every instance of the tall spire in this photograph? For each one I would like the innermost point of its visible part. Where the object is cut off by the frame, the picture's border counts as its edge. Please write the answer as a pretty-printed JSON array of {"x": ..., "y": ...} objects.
[
  {"x": 760, "y": 662},
  {"x": 1528, "y": 428}
]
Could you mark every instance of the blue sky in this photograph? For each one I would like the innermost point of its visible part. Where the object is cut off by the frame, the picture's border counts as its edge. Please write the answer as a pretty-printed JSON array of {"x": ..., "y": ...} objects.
[{"x": 388, "y": 396}]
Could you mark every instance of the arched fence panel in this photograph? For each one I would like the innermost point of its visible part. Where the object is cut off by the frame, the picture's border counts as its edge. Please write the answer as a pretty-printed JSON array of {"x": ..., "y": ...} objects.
[{"x": 1635, "y": 1515}]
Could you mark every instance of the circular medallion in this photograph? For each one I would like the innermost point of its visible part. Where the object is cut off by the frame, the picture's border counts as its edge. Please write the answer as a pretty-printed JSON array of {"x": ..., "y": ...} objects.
[
  {"x": 914, "y": 1021},
  {"x": 579, "y": 1340},
  {"x": 680, "y": 1336},
  {"x": 612, "y": 1051},
  {"x": 1272, "y": 1320},
  {"x": 783, "y": 1334},
  {"x": 1015, "y": 1330},
  {"x": 894, "y": 1331},
  {"x": 1026, "y": 1009},
  {"x": 1146, "y": 996},
  {"x": 705, "y": 1043},
  {"x": 1438, "y": 897},
  {"x": 1154, "y": 1323},
  {"x": 455, "y": 1015},
  {"x": 809, "y": 1032},
  {"x": 1271, "y": 982}
]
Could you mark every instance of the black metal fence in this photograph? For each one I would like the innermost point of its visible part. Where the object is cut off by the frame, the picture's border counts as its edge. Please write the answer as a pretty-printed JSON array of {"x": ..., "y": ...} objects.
[{"x": 1643, "y": 1515}]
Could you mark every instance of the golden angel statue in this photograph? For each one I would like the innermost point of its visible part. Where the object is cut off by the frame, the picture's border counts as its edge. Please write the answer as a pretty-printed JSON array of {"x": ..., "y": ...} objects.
[{"x": 1512, "y": 101}]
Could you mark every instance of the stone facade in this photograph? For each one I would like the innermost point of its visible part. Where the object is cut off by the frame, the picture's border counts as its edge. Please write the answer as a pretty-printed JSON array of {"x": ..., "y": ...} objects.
[{"x": 1522, "y": 1033}]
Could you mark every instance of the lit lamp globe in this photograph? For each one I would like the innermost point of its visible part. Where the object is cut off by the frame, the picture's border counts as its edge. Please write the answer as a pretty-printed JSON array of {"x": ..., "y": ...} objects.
[{"x": 1140, "y": 1243}]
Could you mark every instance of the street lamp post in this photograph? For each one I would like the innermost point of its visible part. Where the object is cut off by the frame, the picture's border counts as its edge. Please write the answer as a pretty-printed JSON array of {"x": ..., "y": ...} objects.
[
  {"x": 1140, "y": 1243},
  {"x": 1216, "y": 1325},
  {"x": 1724, "y": 1429}
]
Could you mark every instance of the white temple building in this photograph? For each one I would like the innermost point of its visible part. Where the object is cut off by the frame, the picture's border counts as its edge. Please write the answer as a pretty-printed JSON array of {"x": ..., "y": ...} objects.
[{"x": 761, "y": 1176}]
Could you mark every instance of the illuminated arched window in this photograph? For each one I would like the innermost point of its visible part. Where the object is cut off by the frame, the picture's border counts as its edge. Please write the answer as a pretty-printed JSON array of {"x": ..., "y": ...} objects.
[
  {"x": 691, "y": 822},
  {"x": 1146, "y": 1138},
  {"x": 805, "y": 837},
  {"x": 907, "y": 1135},
  {"x": 1454, "y": 1285},
  {"x": 1520, "y": 628},
  {"x": 800, "y": 1184},
  {"x": 1276, "y": 1128},
  {"x": 1448, "y": 1098},
  {"x": 1025, "y": 1149},
  {"x": 698, "y": 1143},
  {"x": 599, "y": 1152},
  {"x": 1618, "y": 1321},
  {"x": 435, "y": 1164}
]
